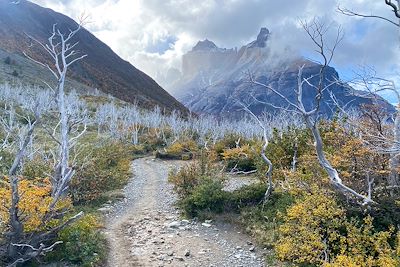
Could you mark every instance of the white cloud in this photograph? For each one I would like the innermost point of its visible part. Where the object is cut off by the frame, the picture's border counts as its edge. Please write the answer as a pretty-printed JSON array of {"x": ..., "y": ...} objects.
[{"x": 135, "y": 29}]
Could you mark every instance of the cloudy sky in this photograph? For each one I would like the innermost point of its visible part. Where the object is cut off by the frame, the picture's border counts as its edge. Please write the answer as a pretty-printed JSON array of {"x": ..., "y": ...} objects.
[{"x": 153, "y": 34}]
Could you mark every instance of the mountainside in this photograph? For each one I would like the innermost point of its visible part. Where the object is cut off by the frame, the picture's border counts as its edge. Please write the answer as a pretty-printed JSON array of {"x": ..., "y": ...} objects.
[
  {"x": 214, "y": 79},
  {"x": 102, "y": 68}
]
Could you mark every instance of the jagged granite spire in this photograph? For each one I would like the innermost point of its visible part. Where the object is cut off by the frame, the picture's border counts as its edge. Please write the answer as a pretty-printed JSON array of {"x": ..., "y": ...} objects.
[
  {"x": 214, "y": 79},
  {"x": 262, "y": 39},
  {"x": 204, "y": 45}
]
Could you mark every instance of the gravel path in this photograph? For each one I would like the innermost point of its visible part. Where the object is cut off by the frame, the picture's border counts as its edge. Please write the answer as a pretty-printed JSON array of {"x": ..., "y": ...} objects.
[
  {"x": 235, "y": 182},
  {"x": 146, "y": 229}
]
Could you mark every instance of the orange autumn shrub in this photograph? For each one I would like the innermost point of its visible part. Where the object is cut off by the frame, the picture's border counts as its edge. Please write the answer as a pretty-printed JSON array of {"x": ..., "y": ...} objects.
[
  {"x": 316, "y": 231},
  {"x": 35, "y": 198},
  {"x": 184, "y": 146},
  {"x": 241, "y": 158}
]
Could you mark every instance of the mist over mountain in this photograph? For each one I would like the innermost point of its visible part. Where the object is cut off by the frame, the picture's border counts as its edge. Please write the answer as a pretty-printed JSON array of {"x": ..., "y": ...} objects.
[{"x": 214, "y": 80}]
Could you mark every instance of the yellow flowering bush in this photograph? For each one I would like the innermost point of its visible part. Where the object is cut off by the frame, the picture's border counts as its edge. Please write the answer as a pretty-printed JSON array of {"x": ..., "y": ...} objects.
[
  {"x": 343, "y": 261},
  {"x": 317, "y": 231},
  {"x": 366, "y": 247},
  {"x": 242, "y": 158},
  {"x": 180, "y": 147},
  {"x": 310, "y": 226},
  {"x": 183, "y": 149},
  {"x": 237, "y": 153},
  {"x": 35, "y": 198}
]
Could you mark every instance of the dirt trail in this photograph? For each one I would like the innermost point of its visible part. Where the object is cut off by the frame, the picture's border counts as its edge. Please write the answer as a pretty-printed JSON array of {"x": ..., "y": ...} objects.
[{"x": 146, "y": 229}]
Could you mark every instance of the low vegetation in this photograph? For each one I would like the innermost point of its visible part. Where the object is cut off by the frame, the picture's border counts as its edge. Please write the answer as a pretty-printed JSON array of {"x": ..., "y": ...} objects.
[
  {"x": 105, "y": 138},
  {"x": 106, "y": 168},
  {"x": 83, "y": 244},
  {"x": 327, "y": 191},
  {"x": 305, "y": 221}
]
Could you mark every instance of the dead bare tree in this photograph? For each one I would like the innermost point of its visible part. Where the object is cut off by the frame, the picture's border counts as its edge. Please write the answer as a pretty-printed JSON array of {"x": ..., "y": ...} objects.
[
  {"x": 383, "y": 141},
  {"x": 316, "y": 30},
  {"x": 16, "y": 232},
  {"x": 394, "y": 5},
  {"x": 62, "y": 50},
  {"x": 23, "y": 247},
  {"x": 373, "y": 84}
]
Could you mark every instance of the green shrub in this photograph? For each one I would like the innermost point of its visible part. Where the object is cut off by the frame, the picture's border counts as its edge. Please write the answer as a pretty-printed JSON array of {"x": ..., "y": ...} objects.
[
  {"x": 83, "y": 244},
  {"x": 6, "y": 160},
  {"x": 281, "y": 147},
  {"x": 208, "y": 196},
  {"x": 151, "y": 141},
  {"x": 248, "y": 195},
  {"x": 190, "y": 176},
  {"x": 167, "y": 156},
  {"x": 187, "y": 156},
  {"x": 186, "y": 179},
  {"x": 35, "y": 168},
  {"x": 199, "y": 186},
  {"x": 263, "y": 221},
  {"x": 230, "y": 141},
  {"x": 138, "y": 149},
  {"x": 385, "y": 214},
  {"x": 105, "y": 168},
  {"x": 200, "y": 190}
]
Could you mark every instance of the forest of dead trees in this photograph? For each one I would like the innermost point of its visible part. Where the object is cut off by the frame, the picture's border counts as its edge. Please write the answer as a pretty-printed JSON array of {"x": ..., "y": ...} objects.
[{"x": 328, "y": 191}]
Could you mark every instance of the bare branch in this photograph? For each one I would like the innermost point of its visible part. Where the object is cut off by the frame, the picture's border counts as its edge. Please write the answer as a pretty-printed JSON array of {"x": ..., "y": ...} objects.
[
  {"x": 352, "y": 13},
  {"x": 268, "y": 174}
]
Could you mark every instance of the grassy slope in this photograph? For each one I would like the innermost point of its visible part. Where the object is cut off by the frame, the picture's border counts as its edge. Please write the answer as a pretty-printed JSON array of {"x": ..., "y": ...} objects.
[{"x": 30, "y": 73}]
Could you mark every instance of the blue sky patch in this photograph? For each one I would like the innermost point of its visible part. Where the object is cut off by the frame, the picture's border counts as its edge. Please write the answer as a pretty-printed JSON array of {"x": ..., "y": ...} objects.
[{"x": 162, "y": 45}]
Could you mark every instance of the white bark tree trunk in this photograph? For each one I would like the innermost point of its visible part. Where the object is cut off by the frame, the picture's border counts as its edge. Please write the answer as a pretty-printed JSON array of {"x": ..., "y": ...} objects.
[{"x": 394, "y": 162}]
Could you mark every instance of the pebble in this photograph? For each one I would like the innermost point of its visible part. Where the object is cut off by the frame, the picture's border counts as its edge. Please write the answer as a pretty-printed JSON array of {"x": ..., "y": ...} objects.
[
  {"x": 179, "y": 258},
  {"x": 174, "y": 224},
  {"x": 187, "y": 253},
  {"x": 104, "y": 209},
  {"x": 170, "y": 253}
]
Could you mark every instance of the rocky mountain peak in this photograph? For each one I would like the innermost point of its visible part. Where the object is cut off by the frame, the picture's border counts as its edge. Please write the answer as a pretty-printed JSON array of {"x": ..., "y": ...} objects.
[
  {"x": 212, "y": 81},
  {"x": 262, "y": 39},
  {"x": 204, "y": 45}
]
